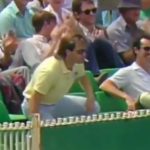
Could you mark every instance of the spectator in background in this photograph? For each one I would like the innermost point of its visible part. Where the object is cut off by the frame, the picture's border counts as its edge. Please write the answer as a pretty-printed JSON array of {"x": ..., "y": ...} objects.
[
  {"x": 124, "y": 30},
  {"x": 32, "y": 51},
  {"x": 130, "y": 82},
  {"x": 8, "y": 47},
  {"x": 15, "y": 17},
  {"x": 56, "y": 7},
  {"x": 100, "y": 53}
]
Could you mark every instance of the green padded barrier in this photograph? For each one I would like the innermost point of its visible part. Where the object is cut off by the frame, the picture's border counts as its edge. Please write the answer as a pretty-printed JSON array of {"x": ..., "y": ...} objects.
[
  {"x": 109, "y": 71},
  {"x": 130, "y": 134},
  {"x": 5, "y": 116},
  {"x": 110, "y": 103},
  {"x": 18, "y": 117},
  {"x": 1, "y": 96},
  {"x": 106, "y": 73},
  {"x": 78, "y": 94},
  {"x": 77, "y": 88}
]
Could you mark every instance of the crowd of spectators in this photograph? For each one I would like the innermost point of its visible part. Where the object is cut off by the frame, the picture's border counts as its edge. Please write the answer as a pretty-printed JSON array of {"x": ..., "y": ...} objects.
[{"x": 43, "y": 41}]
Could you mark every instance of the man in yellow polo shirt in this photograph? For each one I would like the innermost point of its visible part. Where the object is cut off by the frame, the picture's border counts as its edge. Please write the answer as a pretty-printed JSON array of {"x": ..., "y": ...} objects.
[{"x": 47, "y": 91}]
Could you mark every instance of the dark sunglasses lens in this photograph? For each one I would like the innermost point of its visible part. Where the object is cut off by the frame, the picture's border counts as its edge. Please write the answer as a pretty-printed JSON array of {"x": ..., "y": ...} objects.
[
  {"x": 89, "y": 11},
  {"x": 146, "y": 48},
  {"x": 94, "y": 10}
]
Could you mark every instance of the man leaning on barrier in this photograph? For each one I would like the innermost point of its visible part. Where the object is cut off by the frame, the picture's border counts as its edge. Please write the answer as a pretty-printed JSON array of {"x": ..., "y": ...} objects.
[{"x": 47, "y": 91}]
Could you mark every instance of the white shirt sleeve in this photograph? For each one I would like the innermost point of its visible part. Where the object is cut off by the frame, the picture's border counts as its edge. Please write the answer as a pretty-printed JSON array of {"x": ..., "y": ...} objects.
[{"x": 121, "y": 78}]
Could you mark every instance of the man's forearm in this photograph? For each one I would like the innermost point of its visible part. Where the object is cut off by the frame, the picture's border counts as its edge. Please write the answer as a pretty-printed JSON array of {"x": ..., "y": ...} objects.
[
  {"x": 34, "y": 102},
  {"x": 111, "y": 88},
  {"x": 88, "y": 88}
]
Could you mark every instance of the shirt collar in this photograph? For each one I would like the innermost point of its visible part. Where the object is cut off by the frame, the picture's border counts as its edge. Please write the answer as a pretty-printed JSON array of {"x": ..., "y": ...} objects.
[
  {"x": 135, "y": 66},
  {"x": 65, "y": 70},
  {"x": 63, "y": 66},
  {"x": 123, "y": 23},
  {"x": 88, "y": 35},
  {"x": 84, "y": 29},
  {"x": 14, "y": 7}
]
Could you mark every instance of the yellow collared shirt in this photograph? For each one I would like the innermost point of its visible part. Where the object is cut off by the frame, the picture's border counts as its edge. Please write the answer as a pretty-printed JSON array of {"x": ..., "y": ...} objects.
[{"x": 53, "y": 80}]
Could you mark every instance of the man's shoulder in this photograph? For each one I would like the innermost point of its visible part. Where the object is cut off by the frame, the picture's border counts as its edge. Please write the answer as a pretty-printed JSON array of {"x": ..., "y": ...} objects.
[
  {"x": 6, "y": 12},
  {"x": 50, "y": 62},
  {"x": 10, "y": 9},
  {"x": 125, "y": 70},
  {"x": 117, "y": 24},
  {"x": 48, "y": 65}
]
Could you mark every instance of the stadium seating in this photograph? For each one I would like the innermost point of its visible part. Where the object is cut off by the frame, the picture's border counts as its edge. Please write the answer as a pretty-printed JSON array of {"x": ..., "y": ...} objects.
[
  {"x": 77, "y": 87},
  {"x": 110, "y": 103},
  {"x": 6, "y": 117}
]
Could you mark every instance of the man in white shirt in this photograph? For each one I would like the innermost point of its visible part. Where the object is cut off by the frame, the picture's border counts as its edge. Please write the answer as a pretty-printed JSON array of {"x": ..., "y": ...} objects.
[
  {"x": 33, "y": 51},
  {"x": 130, "y": 82},
  {"x": 56, "y": 7}
]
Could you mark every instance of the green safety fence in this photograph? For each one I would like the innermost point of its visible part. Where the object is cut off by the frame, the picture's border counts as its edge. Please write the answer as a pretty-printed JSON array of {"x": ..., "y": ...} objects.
[{"x": 121, "y": 134}]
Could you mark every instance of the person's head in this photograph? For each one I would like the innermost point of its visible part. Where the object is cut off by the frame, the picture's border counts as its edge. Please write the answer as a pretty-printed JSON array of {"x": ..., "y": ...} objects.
[
  {"x": 142, "y": 48},
  {"x": 56, "y": 3},
  {"x": 84, "y": 11},
  {"x": 72, "y": 48},
  {"x": 131, "y": 15},
  {"x": 130, "y": 10},
  {"x": 44, "y": 22}
]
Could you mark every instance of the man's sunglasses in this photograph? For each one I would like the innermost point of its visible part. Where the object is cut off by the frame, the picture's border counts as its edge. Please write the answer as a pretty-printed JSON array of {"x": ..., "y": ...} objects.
[
  {"x": 146, "y": 48},
  {"x": 90, "y": 11}
]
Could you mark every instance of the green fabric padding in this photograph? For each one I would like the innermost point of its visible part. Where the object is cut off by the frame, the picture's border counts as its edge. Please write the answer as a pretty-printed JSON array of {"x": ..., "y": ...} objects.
[
  {"x": 106, "y": 73},
  {"x": 15, "y": 117},
  {"x": 4, "y": 117},
  {"x": 145, "y": 14},
  {"x": 78, "y": 94},
  {"x": 130, "y": 134},
  {"x": 110, "y": 103},
  {"x": 1, "y": 96},
  {"x": 77, "y": 88},
  {"x": 109, "y": 71}
]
